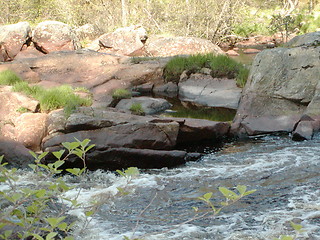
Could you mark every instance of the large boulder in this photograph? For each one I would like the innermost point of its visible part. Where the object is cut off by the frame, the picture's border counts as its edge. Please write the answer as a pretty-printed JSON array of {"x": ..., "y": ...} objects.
[
  {"x": 208, "y": 91},
  {"x": 168, "y": 89},
  {"x": 99, "y": 72},
  {"x": 149, "y": 105},
  {"x": 15, "y": 153},
  {"x": 195, "y": 130},
  {"x": 30, "y": 129},
  {"x": 87, "y": 32},
  {"x": 124, "y": 41},
  {"x": 12, "y": 103},
  {"x": 12, "y": 39},
  {"x": 309, "y": 39},
  {"x": 283, "y": 85},
  {"x": 23, "y": 70},
  {"x": 160, "y": 47},
  {"x": 131, "y": 135},
  {"x": 51, "y": 36},
  {"x": 121, "y": 158},
  {"x": 122, "y": 139}
]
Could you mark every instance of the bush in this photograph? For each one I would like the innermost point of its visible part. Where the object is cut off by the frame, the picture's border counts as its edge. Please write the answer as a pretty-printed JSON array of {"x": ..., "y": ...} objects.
[
  {"x": 121, "y": 93},
  {"x": 8, "y": 77},
  {"x": 40, "y": 211},
  {"x": 221, "y": 66}
]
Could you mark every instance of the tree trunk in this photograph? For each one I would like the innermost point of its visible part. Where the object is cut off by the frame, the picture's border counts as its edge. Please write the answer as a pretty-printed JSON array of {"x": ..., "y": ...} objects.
[{"x": 124, "y": 9}]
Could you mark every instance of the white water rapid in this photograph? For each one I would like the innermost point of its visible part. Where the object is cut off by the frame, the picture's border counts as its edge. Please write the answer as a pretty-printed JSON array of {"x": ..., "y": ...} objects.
[{"x": 286, "y": 175}]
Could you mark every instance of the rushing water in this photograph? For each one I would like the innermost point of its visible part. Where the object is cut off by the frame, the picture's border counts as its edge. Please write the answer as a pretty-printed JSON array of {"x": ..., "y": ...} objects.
[{"x": 286, "y": 175}]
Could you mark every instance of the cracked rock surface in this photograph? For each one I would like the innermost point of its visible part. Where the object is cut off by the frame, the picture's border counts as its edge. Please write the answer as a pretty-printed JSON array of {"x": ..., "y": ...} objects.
[{"x": 283, "y": 84}]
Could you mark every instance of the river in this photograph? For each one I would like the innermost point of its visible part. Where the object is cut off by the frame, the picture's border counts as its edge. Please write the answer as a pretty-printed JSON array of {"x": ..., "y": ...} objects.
[{"x": 286, "y": 175}]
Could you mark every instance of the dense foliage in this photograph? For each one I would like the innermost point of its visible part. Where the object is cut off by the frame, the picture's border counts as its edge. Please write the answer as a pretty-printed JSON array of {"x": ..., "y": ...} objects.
[{"x": 211, "y": 19}]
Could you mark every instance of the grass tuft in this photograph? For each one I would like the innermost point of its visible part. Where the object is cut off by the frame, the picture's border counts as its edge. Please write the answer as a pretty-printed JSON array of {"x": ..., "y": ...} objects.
[
  {"x": 121, "y": 93},
  {"x": 221, "y": 66},
  {"x": 9, "y": 77},
  {"x": 136, "y": 108},
  {"x": 54, "y": 98}
]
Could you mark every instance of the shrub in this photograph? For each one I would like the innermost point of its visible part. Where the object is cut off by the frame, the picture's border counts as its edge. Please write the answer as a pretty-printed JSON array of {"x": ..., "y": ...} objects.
[
  {"x": 221, "y": 65},
  {"x": 121, "y": 93},
  {"x": 8, "y": 77},
  {"x": 136, "y": 108},
  {"x": 39, "y": 211}
]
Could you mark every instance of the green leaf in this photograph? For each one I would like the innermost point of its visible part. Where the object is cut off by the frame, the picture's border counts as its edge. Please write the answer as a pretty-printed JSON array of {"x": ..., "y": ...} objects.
[
  {"x": 58, "y": 164},
  {"x": 224, "y": 204},
  {"x": 121, "y": 173},
  {"x": 89, "y": 147},
  {"x": 2, "y": 225},
  {"x": 296, "y": 227},
  {"x": 33, "y": 154},
  {"x": 33, "y": 166},
  {"x": 77, "y": 152},
  {"x": 132, "y": 171},
  {"x": 74, "y": 171},
  {"x": 37, "y": 236},
  {"x": 89, "y": 213},
  {"x": 286, "y": 238},
  {"x": 63, "y": 226},
  {"x": 41, "y": 193},
  {"x": 84, "y": 143},
  {"x": 241, "y": 189},
  {"x": 44, "y": 166},
  {"x": 7, "y": 234},
  {"x": 58, "y": 154},
  {"x": 51, "y": 235},
  {"x": 228, "y": 193},
  {"x": 54, "y": 221},
  {"x": 42, "y": 155},
  {"x": 16, "y": 197},
  {"x": 207, "y": 196},
  {"x": 74, "y": 145},
  {"x": 195, "y": 209},
  {"x": 249, "y": 192}
]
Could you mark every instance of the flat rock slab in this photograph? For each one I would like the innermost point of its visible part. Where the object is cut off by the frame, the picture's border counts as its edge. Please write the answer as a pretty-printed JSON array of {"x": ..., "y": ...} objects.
[
  {"x": 119, "y": 158},
  {"x": 208, "y": 91},
  {"x": 270, "y": 124},
  {"x": 149, "y": 105},
  {"x": 131, "y": 135}
]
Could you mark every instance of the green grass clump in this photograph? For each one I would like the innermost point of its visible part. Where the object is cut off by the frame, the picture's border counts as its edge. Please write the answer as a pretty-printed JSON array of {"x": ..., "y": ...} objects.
[
  {"x": 8, "y": 77},
  {"x": 136, "y": 108},
  {"x": 54, "y": 98},
  {"x": 221, "y": 66},
  {"x": 61, "y": 97},
  {"x": 177, "y": 65},
  {"x": 121, "y": 93}
]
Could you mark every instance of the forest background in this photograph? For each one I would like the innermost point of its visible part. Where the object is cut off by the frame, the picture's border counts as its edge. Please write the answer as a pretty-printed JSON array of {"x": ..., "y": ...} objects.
[{"x": 211, "y": 19}]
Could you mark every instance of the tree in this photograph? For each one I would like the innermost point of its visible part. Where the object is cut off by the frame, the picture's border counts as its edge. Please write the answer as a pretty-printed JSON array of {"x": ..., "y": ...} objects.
[{"x": 124, "y": 10}]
